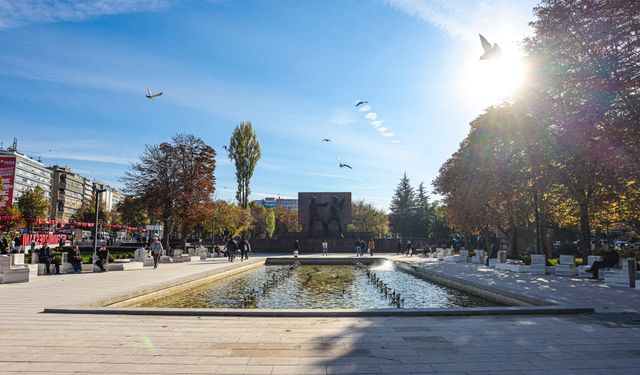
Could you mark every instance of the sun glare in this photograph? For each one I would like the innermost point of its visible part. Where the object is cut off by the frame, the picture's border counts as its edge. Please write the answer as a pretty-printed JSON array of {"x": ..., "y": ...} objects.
[{"x": 490, "y": 82}]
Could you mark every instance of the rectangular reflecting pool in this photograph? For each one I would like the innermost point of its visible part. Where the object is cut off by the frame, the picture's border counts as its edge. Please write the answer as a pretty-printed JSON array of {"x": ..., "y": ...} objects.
[{"x": 318, "y": 287}]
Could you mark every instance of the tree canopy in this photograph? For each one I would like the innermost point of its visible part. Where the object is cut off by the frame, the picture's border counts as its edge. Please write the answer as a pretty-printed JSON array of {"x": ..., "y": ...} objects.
[{"x": 175, "y": 180}]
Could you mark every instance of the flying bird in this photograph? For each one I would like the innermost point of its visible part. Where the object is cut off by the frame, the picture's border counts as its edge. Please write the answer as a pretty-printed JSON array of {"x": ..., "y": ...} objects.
[
  {"x": 343, "y": 164},
  {"x": 151, "y": 95},
  {"x": 490, "y": 52},
  {"x": 225, "y": 147},
  {"x": 326, "y": 140},
  {"x": 361, "y": 103}
]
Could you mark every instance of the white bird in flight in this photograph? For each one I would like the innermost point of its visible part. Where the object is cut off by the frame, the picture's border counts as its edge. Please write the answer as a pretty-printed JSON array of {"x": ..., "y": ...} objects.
[
  {"x": 490, "y": 52},
  {"x": 151, "y": 95}
]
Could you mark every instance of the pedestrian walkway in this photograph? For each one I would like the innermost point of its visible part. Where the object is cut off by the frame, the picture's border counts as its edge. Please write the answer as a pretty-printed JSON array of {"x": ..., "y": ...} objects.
[{"x": 32, "y": 342}]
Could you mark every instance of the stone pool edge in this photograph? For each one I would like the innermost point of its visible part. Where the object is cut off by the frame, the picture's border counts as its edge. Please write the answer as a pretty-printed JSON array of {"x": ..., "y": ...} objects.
[{"x": 521, "y": 305}]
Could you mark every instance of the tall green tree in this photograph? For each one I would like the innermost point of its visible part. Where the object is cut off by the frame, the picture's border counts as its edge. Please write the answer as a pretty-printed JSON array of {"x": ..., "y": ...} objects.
[
  {"x": 271, "y": 223},
  {"x": 403, "y": 208},
  {"x": 33, "y": 204},
  {"x": 244, "y": 150},
  {"x": 424, "y": 215}
]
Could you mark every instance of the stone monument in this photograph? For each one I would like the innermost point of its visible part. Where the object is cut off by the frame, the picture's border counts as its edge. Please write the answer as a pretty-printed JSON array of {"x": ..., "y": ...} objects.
[{"x": 324, "y": 214}]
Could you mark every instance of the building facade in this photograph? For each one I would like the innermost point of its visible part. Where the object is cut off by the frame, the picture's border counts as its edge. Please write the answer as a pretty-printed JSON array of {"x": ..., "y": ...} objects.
[
  {"x": 110, "y": 198},
  {"x": 67, "y": 193},
  {"x": 20, "y": 173},
  {"x": 271, "y": 202}
]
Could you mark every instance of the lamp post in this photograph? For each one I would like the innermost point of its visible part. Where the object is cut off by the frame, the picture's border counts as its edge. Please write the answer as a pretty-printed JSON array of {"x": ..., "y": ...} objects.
[
  {"x": 535, "y": 202},
  {"x": 95, "y": 228}
]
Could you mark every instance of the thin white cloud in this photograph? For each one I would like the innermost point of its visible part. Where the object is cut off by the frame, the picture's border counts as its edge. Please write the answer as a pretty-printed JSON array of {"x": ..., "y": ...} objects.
[
  {"x": 364, "y": 108},
  {"x": 377, "y": 123},
  {"x": 16, "y": 13},
  {"x": 382, "y": 129},
  {"x": 388, "y": 134},
  {"x": 463, "y": 19},
  {"x": 395, "y": 141},
  {"x": 371, "y": 116},
  {"x": 342, "y": 117}
]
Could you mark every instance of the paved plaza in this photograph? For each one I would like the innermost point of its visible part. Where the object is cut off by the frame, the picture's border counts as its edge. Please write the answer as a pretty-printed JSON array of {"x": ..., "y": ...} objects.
[{"x": 607, "y": 342}]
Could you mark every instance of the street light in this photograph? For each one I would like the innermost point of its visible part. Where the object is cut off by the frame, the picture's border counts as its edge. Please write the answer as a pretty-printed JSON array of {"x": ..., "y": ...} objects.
[{"x": 95, "y": 228}]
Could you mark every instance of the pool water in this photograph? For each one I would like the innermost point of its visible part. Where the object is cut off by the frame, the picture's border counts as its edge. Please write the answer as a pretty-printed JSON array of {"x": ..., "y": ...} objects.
[{"x": 318, "y": 287}]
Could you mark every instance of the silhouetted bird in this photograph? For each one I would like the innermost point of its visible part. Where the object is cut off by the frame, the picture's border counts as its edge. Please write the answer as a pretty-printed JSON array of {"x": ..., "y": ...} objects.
[
  {"x": 151, "y": 95},
  {"x": 490, "y": 52},
  {"x": 361, "y": 103},
  {"x": 225, "y": 147},
  {"x": 326, "y": 140},
  {"x": 343, "y": 165}
]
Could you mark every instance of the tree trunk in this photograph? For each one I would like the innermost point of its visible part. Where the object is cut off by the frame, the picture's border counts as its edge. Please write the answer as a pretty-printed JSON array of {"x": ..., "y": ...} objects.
[{"x": 585, "y": 231}]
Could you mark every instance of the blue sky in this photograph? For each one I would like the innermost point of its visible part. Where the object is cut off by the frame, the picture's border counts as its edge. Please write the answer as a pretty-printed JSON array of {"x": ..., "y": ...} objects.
[{"x": 73, "y": 75}]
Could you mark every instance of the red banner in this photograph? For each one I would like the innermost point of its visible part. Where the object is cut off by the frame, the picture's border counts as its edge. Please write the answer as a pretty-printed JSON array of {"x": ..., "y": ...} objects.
[{"x": 7, "y": 174}]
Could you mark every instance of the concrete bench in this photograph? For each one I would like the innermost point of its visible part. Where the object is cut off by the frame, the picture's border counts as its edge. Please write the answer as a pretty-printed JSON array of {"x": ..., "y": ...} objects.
[
  {"x": 440, "y": 254},
  {"x": 463, "y": 257},
  {"x": 566, "y": 266},
  {"x": 143, "y": 256},
  {"x": 538, "y": 264},
  {"x": 13, "y": 269},
  {"x": 479, "y": 257},
  {"x": 624, "y": 276}
]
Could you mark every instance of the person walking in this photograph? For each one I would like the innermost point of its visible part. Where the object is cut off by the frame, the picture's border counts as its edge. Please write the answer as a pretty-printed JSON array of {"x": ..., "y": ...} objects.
[
  {"x": 325, "y": 248},
  {"x": 247, "y": 250},
  {"x": 75, "y": 259},
  {"x": 371, "y": 247},
  {"x": 296, "y": 249},
  {"x": 358, "y": 248},
  {"x": 231, "y": 247},
  {"x": 399, "y": 247},
  {"x": 156, "y": 251},
  {"x": 103, "y": 256},
  {"x": 242, "y": 244},
  {"x": 12, "y": 247},
  {"x": 45, "y": 256},
  {"x": 409, "y": 249}
]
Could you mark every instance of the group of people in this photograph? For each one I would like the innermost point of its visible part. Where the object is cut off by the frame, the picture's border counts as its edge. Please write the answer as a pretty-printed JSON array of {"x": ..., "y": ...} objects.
[
  {"x": 361, "y": 246},
  {"x": 408, "y": 251},
  {"x": 45, "y": 256},
  {"x": 10, "y": 246},
  {"x": 234, "y": 245}
]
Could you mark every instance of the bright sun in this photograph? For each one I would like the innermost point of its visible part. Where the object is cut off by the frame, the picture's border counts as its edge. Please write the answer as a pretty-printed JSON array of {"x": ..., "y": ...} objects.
[{"x": 489, "y": 82}]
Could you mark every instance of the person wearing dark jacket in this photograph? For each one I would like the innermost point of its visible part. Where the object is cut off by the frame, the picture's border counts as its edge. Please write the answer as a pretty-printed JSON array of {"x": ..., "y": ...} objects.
[
  {"x": 231, "y": 248},
  {"x": 103, "y": 255},
  {"x": 75, "y": 259},
  {"x": 399, "y": 248},
  {"x": 610, "y": 259},
  {"x": 45, "y": 256}
]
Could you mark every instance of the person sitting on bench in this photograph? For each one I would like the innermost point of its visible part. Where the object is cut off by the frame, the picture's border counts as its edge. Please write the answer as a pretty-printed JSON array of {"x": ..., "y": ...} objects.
[
  {"x": 103, "y": 255},
  {"x": 75, "y": 259},
  {"x": 45, "y": 255},
  {"x": 610, "y": 259}
]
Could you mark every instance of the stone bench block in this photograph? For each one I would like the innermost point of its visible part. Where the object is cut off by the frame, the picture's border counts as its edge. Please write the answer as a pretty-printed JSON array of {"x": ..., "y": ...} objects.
[
  {"x": 568, "y": 270},
  {"x": 13, "y": 269}
]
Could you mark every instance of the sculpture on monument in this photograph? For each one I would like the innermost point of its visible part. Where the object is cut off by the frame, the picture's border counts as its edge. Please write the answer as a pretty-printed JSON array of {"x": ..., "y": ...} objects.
[
  {"x": 331, "y": 209},
  {"x": 334, "y": 214},
  {"x": 314, "y": 214}
]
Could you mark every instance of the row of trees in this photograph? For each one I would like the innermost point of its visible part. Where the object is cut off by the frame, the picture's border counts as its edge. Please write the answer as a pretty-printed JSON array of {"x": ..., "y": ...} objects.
[
  {"x": 174, "y": 182},
  {"x": 571, "y": 137},
  {"x": 32, "y": 204}
]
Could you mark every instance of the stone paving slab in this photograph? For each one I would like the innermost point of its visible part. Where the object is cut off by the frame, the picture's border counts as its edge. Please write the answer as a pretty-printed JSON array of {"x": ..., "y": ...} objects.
[{"x": 35, "y": 343}]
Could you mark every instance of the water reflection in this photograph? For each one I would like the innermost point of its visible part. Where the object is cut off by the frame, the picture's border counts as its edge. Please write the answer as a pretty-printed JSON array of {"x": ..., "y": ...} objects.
[{"x": 320, "y": 287}]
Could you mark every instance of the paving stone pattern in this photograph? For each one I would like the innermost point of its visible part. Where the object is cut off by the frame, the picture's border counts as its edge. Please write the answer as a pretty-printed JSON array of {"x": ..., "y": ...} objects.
[{"x": 32, "y": 342}]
